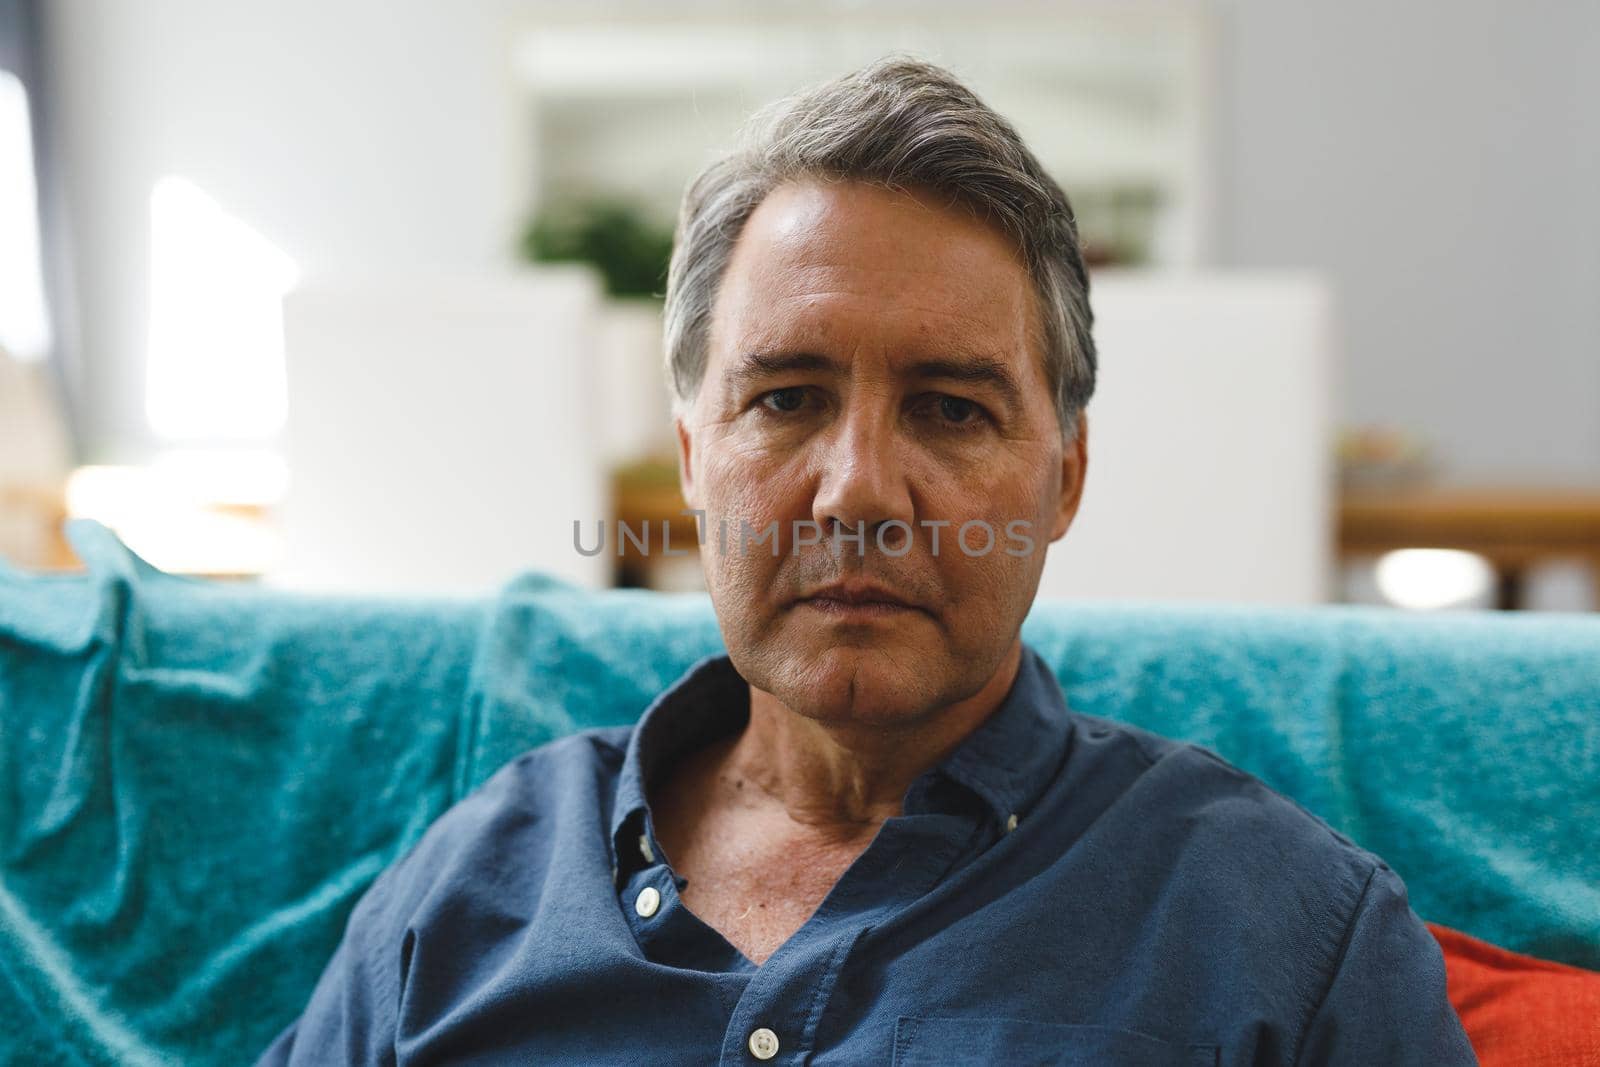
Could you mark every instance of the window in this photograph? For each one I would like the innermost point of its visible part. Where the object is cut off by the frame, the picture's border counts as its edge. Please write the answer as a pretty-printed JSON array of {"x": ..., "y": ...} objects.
[
  {"x": 215, "y": 370},
  {"x": 24, "y": 324}
]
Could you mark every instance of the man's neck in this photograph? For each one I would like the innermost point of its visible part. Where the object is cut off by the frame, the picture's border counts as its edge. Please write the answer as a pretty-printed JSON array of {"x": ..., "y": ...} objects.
[{"x": 846, "y": 778}]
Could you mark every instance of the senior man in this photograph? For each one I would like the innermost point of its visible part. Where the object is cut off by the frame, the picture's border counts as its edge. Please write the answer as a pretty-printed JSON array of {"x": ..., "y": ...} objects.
[{"x": 873, "y": 832}]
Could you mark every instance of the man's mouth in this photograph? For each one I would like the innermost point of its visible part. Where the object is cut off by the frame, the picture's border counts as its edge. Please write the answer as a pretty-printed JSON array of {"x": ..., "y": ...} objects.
[{"x": 858, "y": 601}]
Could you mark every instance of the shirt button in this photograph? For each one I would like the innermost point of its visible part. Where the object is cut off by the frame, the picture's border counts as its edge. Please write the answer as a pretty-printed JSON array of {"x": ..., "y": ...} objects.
[
  {"x": 1011, "y": 823},
  {"x": 763, "y": 1044},
  {"x": 644, "y": 848},
  {"x": 648, "y": 901}
]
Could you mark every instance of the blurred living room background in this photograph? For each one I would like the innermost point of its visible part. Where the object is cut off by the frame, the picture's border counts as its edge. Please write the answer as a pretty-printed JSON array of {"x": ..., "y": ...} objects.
[{"x": 364, "y": 295}]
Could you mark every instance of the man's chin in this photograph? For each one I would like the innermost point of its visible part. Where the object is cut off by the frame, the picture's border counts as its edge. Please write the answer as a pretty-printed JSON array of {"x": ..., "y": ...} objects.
[{"x": 886, "y": 681}]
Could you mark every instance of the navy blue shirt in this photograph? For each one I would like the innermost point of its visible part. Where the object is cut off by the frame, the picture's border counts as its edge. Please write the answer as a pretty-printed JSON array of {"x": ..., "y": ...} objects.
[{"x": 1061, "y": 889}]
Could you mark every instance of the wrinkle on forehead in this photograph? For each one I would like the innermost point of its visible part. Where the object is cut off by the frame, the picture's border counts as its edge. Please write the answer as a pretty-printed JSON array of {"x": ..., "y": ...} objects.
[{"x": 860, "y": 259}]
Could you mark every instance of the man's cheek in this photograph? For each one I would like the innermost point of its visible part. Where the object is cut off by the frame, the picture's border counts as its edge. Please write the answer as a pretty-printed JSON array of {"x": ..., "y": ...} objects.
[
  {"x": 752, "y": 493},
  {"x": 983, "y": 562}
]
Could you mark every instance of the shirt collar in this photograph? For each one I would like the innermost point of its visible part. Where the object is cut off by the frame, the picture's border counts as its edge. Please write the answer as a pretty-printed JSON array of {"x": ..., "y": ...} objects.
[{"x": 1005, "y": 763}]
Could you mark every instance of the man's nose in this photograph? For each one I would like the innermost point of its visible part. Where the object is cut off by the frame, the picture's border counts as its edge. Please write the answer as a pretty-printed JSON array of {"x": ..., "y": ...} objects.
[{"x": 863, "y": 482}]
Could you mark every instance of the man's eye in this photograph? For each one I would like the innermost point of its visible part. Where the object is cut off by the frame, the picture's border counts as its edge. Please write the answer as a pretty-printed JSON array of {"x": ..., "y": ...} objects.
[
  {"x": 791, "y": 398},
  {"x": 959, "y": 411}
]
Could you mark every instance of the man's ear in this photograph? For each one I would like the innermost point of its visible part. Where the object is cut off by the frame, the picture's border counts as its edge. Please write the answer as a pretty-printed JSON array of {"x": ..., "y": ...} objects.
[
  {"x": 685, "y": 459},
  {"x": 1074, "y": 468}
]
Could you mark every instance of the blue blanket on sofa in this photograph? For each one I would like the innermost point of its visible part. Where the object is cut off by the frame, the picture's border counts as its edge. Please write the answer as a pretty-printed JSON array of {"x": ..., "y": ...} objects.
[{"x": 199, "y": 779}]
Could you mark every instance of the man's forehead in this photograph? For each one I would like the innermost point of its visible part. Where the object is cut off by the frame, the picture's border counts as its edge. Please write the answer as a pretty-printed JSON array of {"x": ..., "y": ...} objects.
[
  {"x": 838, "y": 226},
  {"x": 825, "y": 264}
]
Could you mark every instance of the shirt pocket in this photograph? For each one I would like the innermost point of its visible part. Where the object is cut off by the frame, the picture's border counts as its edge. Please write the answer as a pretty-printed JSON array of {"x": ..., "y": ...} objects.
[{"x": 925, "y": 1042}]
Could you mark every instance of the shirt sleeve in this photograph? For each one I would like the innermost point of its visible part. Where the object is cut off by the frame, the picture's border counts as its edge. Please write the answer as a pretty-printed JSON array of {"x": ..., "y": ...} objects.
[
  {"x": 351, "y": 1016},
  {"x": 1386, "y": 1002}
]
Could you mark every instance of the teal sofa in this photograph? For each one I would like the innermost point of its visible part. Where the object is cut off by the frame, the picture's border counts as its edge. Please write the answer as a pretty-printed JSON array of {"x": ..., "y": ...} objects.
[{"x": 201, "y": 778}]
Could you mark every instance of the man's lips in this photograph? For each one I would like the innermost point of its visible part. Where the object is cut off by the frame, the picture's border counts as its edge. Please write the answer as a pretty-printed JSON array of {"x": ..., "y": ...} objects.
[
  {"x": 857, "y": 611},
  {"x": 863, "y": 599}
]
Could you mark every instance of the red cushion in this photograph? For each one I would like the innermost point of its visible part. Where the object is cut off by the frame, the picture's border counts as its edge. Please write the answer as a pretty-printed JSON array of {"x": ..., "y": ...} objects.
[{"x": 1521, "y": 1011}]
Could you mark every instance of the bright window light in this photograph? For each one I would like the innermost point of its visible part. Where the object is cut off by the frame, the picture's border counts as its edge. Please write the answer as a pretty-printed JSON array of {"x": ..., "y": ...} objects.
[
  {"x": 236, "y": 477},
  {"x": 215, "y": 369},
  {"x": 188, "y": 512},
  {"x": 1431, "y": 578},
  {"x": 24, "y": 325}
]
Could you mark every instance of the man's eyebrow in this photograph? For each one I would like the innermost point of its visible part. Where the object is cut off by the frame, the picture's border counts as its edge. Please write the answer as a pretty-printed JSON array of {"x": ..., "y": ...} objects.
[
  {"x": 974, "y": 370},
  {"x": 757, "y": 366}
]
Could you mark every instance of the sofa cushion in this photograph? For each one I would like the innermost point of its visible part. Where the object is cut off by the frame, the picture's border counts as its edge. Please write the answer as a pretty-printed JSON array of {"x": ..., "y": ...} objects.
[{"x": 1521, "y": 1011}]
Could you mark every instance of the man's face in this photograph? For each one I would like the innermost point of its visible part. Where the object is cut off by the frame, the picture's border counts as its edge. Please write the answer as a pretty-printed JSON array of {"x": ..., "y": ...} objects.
[{"x": 873, "y": 361}]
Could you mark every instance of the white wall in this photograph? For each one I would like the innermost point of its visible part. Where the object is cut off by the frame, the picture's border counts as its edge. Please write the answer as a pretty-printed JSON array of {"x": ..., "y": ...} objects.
[
  {"x": 1210, "y": 444},
  {"x": 353, "y": 134},
  {"x": 440, "y": 433},
  {"x": 1437, "y": 161}
]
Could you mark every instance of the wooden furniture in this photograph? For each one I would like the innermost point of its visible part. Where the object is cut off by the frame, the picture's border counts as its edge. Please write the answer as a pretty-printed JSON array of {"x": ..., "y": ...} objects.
[
  {"x": 646, "y": 494},
  {"x": 41, "y": 512},
  {"x": 1515, "y": 528},
  {"x": 31, "y": 527}
]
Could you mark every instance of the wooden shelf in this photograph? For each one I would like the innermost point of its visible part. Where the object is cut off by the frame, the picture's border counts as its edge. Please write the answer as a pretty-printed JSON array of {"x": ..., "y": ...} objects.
[{"x": 1514, "y": 527}]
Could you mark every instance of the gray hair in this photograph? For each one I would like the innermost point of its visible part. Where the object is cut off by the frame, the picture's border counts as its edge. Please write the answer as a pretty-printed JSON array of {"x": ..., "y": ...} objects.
[{"x": 899, "y": 122}]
